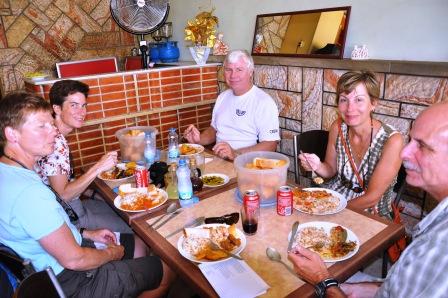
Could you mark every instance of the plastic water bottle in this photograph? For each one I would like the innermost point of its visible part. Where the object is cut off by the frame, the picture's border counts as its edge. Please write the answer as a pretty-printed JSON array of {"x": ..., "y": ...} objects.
[
  {"x": 184, "y": 186},
  {"x": 173, "y": 145},
  {"x": 150, "y": 148}
]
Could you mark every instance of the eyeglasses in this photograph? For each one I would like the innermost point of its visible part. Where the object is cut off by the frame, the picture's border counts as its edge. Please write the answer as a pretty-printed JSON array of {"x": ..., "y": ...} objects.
[{"x": 356, "y": 188}]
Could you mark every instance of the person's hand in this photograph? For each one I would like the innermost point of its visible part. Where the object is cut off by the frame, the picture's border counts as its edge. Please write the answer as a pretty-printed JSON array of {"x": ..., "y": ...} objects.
[
  {"x": 310, "y": 161},
  {"x": 102, "y": 235},
  {"x": 360, "y": 290},
  {"x": 224, "y": 150},
  {"x": 116, "y": 252},
  {"x": 192, "y": 134},
  {"x": 308, "y": 265},
  {"x": 108, "y": 161}
]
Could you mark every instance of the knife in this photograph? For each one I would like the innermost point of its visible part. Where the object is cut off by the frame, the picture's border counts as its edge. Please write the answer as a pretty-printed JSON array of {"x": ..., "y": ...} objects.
[
  {"x": 294, "y": 228},
  {"x": 198, "y": 221},
  {"x": 166, "y": 220}
]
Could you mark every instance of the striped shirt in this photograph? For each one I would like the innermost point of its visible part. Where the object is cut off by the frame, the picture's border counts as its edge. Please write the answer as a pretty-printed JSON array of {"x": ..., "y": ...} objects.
[
  {"x": 366, "y": 168},
  {"x": 421, "y": 270}
]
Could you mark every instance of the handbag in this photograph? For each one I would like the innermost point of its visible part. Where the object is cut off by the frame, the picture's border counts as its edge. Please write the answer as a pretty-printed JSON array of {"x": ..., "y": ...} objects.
[{"x": 398, "y": 247}]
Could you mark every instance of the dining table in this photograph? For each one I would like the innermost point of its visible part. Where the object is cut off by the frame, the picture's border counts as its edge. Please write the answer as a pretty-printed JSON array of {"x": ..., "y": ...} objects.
[{"x": 375, "y": 235}]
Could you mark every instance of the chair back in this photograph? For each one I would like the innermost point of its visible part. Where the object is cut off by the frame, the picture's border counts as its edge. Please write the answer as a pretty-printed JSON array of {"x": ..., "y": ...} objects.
[
  {"x": 313, "y": 141},
  {"x": 42, "y": 284},
  {"x": 400, "y": 186},
  {"x": 19, "y": 267}
]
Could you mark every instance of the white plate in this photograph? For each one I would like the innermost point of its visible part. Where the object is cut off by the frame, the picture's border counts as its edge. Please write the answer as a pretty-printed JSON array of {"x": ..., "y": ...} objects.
[
  {"x": 339, "y": 208},
  {"x": 192, "y": 258},
  {"x": 117, "y": 202},
  {"x": 112, "y": 183},
  {"x": 197, "y": 147},
  {"x": 225, "y": 177},
  {"x": 327, "y": 227}
]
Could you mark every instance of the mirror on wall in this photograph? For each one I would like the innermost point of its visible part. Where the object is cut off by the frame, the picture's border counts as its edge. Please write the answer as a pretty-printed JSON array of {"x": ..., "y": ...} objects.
[{"x": 316, "y": 33}]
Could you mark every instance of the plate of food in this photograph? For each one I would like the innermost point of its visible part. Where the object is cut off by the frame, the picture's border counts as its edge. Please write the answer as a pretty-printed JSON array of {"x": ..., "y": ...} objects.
[
  {"x": 139, "y": 199},
  {"x": 214, "y": 179},
  {"x": 195, "y": 243},
  {"x": 331, "y": 241},
  {"x": 121, "y": 173},
  {"x": 318, "y": 201},
  {"x": 190, "y": 149}
]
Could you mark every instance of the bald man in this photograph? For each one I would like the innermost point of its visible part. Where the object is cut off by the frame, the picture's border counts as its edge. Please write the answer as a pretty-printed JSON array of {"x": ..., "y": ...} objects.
[{"x": 421, "y": 269}]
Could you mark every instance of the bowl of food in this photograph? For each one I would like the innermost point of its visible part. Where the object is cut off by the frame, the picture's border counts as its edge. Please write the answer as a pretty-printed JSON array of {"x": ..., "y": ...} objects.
[
  {"x": 121, "y": 173},
  {"x": 262, "y": 171},
  {"x": 132, "y": 142}
]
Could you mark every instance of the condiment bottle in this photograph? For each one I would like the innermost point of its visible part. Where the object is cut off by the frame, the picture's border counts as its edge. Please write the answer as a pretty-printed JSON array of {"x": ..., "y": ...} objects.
[
  {"x": 195, "y": 173},
  {"x": 171, "y": 181}
]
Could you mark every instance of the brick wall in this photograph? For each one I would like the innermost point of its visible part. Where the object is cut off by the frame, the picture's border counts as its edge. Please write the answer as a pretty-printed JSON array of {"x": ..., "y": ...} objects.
[
  {"x": 162, "y": 99},
  {"x": 36, "y": 34}
]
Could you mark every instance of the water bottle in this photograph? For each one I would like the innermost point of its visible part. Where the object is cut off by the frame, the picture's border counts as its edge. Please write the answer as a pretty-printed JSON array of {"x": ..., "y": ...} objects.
[
  {"x": 150, "y": 148},
  {"x": 184, "y": 185},
  {"x": 173, "y": 145}
]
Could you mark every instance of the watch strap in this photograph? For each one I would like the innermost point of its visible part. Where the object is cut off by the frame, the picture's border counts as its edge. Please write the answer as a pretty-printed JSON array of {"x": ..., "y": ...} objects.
[{"x": 321, "y": 287}]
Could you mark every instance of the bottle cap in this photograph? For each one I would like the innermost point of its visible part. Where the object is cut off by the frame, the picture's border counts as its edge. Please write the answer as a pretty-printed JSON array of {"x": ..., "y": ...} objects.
[
  {"x": 172, "y": 129},
  {"x": 182, "y": 162}
]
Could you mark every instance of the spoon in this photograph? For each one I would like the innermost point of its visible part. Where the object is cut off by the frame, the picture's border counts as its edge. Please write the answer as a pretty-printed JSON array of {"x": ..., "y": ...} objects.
[
  {"x": 294, "y": 228},
  {"x": 316, "y": 179},
  {"x": 275, "y": 256},
  {"x": 171, "y": 208}
]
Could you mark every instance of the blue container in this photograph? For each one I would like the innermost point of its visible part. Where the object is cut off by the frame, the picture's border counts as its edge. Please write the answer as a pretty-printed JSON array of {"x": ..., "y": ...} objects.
[
  {"x": 154, "y": 53},
  {"x": 169, "y": 52}
]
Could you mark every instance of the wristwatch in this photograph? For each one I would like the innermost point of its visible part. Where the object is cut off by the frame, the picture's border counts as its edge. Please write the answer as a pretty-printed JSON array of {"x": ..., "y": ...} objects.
[{"x": 321, "y": 288}]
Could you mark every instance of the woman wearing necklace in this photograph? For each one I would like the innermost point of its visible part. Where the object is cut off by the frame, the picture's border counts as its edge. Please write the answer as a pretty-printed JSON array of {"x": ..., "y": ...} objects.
[
  {"x": 363, "y": 154},
  {"x": 69, "y": 101},
  {"x": 36, "y": 226}
]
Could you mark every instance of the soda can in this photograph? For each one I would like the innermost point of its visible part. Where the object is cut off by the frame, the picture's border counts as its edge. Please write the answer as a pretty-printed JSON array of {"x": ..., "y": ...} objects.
[
  {"x": 251, "y": 200},
  {"x": 141, "y": 176},
  {"x": 250, "y": 212},
  {"x": 284, "y": 201}
]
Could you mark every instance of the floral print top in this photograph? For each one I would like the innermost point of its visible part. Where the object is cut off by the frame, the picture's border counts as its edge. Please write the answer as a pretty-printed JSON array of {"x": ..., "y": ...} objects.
[{"x": 56, "y": 162}]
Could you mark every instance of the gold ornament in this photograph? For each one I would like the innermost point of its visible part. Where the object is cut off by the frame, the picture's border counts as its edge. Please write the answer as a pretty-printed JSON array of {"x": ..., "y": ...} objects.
[{"x": 202, "y": 30}]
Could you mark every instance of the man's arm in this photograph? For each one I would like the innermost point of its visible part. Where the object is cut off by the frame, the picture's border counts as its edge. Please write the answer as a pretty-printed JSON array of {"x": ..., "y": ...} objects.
[
  {"x": 63, "y": 247},
  {"x": 69, "y": 190},
  {"x": 224, "y": 150}
]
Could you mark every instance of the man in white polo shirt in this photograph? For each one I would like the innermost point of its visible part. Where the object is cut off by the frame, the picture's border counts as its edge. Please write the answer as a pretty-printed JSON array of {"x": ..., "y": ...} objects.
[{"x": 245, "y": 118}]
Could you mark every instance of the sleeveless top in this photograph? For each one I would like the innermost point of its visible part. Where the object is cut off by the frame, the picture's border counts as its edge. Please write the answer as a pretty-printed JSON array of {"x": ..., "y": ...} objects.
[{"x": 366, "y": 168}]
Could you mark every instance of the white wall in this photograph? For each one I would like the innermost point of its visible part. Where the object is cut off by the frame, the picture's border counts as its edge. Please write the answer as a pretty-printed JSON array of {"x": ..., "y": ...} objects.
[{"x": 415, "y": 30}]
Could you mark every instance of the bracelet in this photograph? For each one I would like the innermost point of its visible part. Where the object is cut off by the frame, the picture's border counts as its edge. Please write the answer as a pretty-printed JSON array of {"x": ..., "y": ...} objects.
[{"x": 81, "y": 231}]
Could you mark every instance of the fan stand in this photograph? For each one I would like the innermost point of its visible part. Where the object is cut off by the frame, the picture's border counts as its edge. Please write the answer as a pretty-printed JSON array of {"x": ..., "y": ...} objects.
[{"x": 144, "y": 51}]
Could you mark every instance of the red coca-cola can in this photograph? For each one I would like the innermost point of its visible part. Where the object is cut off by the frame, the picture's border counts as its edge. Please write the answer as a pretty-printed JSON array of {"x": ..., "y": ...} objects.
[
  {"x": 141, "y": 176},
  {"x": 284, "y": 201},
  {"x": 251, "y": 200},
  {"x": 250, "y": 212}
]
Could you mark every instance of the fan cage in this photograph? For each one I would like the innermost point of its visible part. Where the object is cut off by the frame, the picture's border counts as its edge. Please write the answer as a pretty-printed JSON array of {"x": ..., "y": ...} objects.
[{"x": 139, "y": 20}]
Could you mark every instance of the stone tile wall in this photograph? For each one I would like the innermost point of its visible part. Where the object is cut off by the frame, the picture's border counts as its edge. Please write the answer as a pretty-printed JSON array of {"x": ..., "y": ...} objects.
[
  {"x": 35, "y": 34},
  {"x": 162, "y": 99},
  {"x": 306, "y": 98}
]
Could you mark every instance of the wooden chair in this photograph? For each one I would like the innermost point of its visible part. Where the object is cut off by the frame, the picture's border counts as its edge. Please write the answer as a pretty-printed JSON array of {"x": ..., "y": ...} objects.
[{"x": 313, "y": 141}]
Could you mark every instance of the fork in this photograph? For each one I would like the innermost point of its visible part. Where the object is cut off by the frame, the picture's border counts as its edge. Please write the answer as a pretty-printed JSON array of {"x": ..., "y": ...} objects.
[
  {"x": 316, "y": 179},
  {"x": 215, "y": 246}
]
